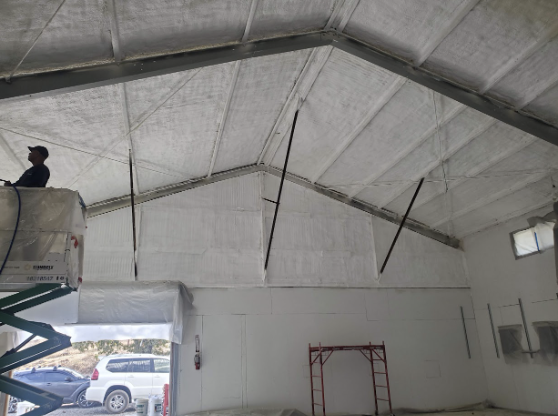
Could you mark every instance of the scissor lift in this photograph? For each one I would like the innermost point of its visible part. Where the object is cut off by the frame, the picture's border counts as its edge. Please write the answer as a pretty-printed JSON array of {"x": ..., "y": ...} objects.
[{"x": 41, "y": 260}]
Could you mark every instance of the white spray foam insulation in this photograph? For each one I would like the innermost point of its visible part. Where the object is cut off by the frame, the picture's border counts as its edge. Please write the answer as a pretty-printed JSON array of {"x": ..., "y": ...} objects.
[
  {"x": 405, "y": 28},
  {"x": 261, "y": 90},
  {"x": 289, "y": 16},
  {"x": 398, "y": 126},
  {"x": 489, "y": 37},
  {"x": 184, "y": 125},
  {"x": 170, "y": 25},
  {"x": 209, "y": 235},
  {"x": 545, "y": 105},
  {"x": 317, "y": 241},
  {"x": 335, "y": 105},
  {"x": 429, "y": 260}
]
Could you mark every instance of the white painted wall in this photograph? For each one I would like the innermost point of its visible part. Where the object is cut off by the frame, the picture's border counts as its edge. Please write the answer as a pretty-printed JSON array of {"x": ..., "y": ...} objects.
[
  {"x": 255, "y": 348},
  {"x": 216, "y": 236},
  {"x": 497, "y": 278}
]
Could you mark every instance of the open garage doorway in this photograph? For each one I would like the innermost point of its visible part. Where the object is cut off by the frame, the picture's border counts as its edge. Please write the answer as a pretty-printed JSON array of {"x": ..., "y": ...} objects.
[{"x": 102, "y": 377}]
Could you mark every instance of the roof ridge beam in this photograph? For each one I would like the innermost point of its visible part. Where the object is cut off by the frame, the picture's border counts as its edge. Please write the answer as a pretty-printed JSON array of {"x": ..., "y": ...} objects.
[
  {"x": 63, "y": 81},
  {"x": 388, "y": 94}
]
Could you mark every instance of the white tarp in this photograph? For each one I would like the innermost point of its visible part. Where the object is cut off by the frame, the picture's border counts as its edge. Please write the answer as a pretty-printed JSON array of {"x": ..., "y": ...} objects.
[{"x": 135, "y": 303}]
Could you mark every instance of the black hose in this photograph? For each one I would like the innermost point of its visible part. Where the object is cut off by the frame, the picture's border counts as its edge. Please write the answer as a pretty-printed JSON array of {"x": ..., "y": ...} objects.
[{"x": 15, "y": 229}]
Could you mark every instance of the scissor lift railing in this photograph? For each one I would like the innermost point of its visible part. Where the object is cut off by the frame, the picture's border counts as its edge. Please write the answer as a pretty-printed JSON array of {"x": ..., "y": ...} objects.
[
  {"x": 18, "y": 356},
  {"x": 373, "y": 353}
]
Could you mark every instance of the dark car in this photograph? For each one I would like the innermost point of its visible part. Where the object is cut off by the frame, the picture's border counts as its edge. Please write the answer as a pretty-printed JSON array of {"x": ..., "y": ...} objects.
[{"x": 63, "y": 382}]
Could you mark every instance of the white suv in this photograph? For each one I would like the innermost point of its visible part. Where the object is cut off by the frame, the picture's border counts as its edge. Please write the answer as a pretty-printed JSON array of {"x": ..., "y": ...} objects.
[{"x": 119, "y": 379}]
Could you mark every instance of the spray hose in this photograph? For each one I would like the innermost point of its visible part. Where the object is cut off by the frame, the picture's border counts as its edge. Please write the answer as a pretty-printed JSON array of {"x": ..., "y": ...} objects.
[{"x": 15, "y": 229}]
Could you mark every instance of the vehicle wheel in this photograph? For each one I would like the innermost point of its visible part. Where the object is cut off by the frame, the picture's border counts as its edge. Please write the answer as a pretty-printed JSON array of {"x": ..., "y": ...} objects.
[
  {"x": 117, "y": 401},
  {"x": 83, "y": 402},
  {"x": 12, "y": 406}
]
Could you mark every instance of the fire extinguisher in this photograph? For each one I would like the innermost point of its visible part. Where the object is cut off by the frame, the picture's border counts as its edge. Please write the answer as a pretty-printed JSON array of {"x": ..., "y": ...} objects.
[{"x": 197, "y": 357}]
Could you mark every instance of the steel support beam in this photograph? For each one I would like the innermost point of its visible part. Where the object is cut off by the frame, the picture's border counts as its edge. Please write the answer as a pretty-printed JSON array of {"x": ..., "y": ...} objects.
[
  {"x": 107, "y": 206},
  {"x": 64, "y": 81}
]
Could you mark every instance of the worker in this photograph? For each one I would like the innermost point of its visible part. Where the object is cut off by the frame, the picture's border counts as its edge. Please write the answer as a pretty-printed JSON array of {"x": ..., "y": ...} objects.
[{"x": 36, "y": 176}]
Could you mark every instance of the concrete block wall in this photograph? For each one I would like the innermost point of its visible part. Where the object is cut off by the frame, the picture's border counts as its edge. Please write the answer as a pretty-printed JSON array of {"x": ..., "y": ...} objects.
[{"x": 255, "y": 348}]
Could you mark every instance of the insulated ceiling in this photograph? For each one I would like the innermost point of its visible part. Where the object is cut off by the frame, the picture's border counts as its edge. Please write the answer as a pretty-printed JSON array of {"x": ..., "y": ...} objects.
[{"x": 362, "y": 131}]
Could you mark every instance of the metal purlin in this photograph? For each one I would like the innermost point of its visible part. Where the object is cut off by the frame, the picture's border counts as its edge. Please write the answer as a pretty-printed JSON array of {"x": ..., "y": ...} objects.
[{"x": 18, "y": 357}]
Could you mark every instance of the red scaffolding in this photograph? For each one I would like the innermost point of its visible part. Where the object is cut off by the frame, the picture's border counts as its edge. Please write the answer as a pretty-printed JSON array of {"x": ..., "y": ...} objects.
[{"x": 373, "y": 353}]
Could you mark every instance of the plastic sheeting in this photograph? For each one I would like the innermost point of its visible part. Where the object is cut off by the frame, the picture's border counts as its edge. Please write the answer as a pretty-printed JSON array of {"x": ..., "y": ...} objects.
[
  {"x": 48, "y": 246},
  {"x": 136, "y": 303}
]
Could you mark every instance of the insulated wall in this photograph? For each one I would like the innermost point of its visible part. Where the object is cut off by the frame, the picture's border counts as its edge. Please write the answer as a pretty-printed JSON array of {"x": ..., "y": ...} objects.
[
  {"x": 497, "y": 278},
  {"x": 217, "y": 236},
  {"x": 254, "y": 348}
]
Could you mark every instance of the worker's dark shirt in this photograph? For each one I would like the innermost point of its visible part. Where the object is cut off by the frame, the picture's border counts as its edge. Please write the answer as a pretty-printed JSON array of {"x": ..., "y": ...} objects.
[{"x": 34, "y": 177}]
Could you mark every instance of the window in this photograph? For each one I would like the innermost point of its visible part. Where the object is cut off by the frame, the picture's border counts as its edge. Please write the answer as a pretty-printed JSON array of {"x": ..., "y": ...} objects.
[
  {"x": 140, "y": 366},
  {"x": 533, "y": 240},
  {"x": 548, "y": 336},
  {"x": 510, "y": 338},
  {"x": 161, "y": 365},
  {"x": 33, "y": 377},
  {"x": 118, "y": 366},
  {"x": 54, "y": 377}
]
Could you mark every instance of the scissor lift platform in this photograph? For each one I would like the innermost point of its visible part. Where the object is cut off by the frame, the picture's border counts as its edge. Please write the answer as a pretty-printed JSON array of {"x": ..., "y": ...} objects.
[{"x": 41, "y": 258}]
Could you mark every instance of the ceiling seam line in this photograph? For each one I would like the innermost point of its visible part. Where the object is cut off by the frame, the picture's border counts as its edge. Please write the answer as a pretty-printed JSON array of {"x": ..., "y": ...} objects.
[
  {"x": 347, "y": 14},
  {"x": 494, "y": 197},
  {"x": 505, "y": 70},
  {"x": 415, "y": 145},
  {"x": 476, "y": 170},
  {"x": 376, "y": 109},
  {"x": 296, "y": 90},
  {"x": 251, "y": 14},
  {"x": 115, "y": 31},
  {"x": 334, "y": 13},
  {"x": 508, "y": 217},
  {"x": 138, "y": 123},
  {"x": 224, "y": 115},
  {"x": 9, "y": 151},
  {"x": 35, "y": 41},
  {"x": 126, "y": 119},
  {"x": 287, "y": 105},
  {"x": 302, "y": 95},
  {"x": 429, "y": 168},
  {"x": 466, "y": 8}
]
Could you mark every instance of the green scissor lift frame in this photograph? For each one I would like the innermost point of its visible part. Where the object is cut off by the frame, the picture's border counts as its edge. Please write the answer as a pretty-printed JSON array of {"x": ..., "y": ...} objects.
[{"x": 17, "y": 357}]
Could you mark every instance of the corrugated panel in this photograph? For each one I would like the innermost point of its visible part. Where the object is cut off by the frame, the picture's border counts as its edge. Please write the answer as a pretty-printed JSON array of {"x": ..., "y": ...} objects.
[
  {"x": 261, "y": 90},
  {"x": 78, "y": 34},
  {"x": 341, "y": 96},
  {"x": 274, "y": 17},
  {"x": 406, "y": 28},
  {"x": 146, "y": 27},
  {"x": 489, "y": 37},
  {"x": 179, "y": 135}
]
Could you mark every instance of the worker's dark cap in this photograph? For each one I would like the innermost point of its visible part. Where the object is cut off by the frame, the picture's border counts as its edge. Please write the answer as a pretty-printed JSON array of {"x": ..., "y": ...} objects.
[{"x": 41, "y": 149}]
